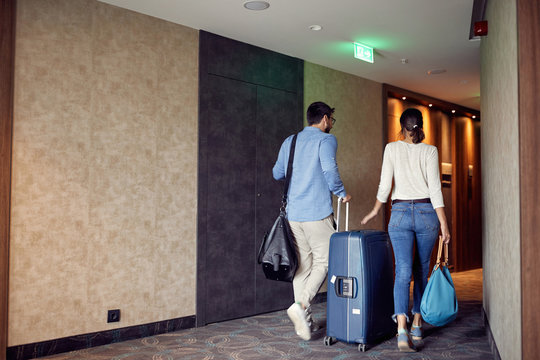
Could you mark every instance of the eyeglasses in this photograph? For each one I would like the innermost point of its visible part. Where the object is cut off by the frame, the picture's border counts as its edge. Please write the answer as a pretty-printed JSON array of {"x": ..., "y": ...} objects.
[{"x": 333, "y": 120}]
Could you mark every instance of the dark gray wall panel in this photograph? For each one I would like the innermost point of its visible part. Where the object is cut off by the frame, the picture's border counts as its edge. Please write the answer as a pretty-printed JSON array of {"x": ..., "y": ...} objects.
[
  {"x": 231, "y": 177},
  {"x": 237, "y": 60},
  {"x": 250, "y": 100},
  {"x": 274, "y": 123}
]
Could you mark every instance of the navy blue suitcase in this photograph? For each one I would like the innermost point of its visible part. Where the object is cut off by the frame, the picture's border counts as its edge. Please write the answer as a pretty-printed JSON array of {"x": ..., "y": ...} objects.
[{"x": 360, "y": 299}]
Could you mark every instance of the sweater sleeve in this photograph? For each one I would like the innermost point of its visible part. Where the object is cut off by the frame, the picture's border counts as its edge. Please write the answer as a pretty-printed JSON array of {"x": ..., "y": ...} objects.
[
  {"x": 387, "y": 173},
  {"x": 434, "y": 179}
]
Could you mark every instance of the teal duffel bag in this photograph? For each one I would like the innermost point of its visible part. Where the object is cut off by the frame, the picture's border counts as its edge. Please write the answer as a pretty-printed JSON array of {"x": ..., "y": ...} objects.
[{"x": 439, "y": 304}]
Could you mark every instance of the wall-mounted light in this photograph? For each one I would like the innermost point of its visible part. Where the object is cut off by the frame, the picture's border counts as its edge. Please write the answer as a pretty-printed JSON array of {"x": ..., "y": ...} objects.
[{"x": 315, "y": 27}]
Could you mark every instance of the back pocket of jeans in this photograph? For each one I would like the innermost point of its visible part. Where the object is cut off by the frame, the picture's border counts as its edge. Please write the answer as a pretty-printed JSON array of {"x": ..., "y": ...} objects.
[
  {"x": 395, "y": 217},
  {"x": 430, "y": 219}
]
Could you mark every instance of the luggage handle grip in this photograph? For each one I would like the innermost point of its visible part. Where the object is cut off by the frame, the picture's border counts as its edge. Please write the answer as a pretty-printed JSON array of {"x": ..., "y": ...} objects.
[
  {"x": 346, "y": 287},
  {"x": 340, "y": 200}
]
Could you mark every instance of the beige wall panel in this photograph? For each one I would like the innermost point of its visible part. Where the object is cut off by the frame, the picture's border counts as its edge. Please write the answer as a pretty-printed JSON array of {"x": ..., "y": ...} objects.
[
  {"x": 104, "y": 170},
  {"x": 500, "y": 178},
  {"x": 358, "y": 129}
]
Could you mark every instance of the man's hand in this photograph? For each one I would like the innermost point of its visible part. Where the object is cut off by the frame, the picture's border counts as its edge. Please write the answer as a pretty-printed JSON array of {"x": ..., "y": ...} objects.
[{"x": 347, "y": 198}]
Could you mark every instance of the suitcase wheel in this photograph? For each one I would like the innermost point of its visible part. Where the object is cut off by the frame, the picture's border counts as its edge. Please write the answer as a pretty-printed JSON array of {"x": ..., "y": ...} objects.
[
  {"x": 362, "y": 347},
  {"x": 328, "y": 340}
]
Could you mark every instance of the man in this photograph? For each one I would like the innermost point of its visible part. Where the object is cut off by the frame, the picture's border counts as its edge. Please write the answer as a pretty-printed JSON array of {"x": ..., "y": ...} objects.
[{"x": 315, "y": 177}]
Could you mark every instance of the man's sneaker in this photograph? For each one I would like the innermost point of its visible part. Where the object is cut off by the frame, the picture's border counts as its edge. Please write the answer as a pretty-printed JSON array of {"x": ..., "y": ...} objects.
[{"x": 298, "y": 318}]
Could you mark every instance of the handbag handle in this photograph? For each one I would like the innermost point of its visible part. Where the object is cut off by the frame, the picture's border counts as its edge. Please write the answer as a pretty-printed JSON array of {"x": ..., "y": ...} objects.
[
  {"x": 442, "y": 245},
  {"x": 289, "y": 174}
]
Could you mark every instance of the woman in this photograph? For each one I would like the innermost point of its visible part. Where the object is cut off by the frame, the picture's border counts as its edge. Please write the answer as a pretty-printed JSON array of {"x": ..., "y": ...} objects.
[{"x": 417, "y": 214}]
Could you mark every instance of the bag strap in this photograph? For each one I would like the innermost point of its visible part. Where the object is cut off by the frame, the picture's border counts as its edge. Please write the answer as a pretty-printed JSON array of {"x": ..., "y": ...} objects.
[
  {"x": 439, "y": 254},
  {"x": 289, "y": 174}
]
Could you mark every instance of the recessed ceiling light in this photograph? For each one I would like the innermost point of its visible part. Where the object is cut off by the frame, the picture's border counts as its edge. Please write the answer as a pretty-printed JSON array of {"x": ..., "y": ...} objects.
[
  {"x": 256, "y": 5},
  {"x": 430, "y": 105},
  {"x": 403, "y": 98},
  {"x": 453, "y": 111},
  {"x": 436, "y": 71},
  {"x": 474, "y": 116},
  {"x": 315, "y": 27}
]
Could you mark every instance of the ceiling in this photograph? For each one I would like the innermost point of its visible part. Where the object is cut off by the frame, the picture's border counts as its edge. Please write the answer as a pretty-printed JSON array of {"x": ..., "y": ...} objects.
[{"x": 430, "y": 34}]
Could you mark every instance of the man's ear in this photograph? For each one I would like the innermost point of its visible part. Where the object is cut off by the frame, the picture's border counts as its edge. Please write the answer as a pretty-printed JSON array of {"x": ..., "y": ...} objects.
[{"x": 325, "y": 118}]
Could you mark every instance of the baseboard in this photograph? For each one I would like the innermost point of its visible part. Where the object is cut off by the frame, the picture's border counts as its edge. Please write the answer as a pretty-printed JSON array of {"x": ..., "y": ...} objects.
[
  {"x": 84, "y": 341},
  {"x": 491, "y": 340}
]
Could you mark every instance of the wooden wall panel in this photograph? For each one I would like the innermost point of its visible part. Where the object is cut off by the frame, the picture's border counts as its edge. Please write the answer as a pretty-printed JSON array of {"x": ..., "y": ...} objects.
[
  {"x": 7, "y": 51},
  {"x": 467, "y": 215},
  {"x": 528, "y": 20}
]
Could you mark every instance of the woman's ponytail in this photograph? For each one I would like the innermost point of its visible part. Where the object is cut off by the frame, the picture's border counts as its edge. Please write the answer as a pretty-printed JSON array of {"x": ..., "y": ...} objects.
[{"x": 411, "y": 120}]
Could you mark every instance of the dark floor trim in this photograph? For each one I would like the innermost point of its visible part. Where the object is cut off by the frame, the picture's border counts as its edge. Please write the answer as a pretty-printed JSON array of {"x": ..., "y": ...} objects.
[
  {"x": 84, "y": 341},
  {"x": 491, "y": 340}
]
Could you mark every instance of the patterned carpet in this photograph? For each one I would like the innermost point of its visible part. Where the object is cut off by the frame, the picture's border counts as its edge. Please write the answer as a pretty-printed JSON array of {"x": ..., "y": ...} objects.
[{"x": 271, "y": 336}]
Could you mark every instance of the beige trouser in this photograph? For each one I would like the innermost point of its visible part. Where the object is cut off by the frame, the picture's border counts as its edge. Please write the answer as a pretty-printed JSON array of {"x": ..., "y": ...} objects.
[{"x": 312, "y": 242}]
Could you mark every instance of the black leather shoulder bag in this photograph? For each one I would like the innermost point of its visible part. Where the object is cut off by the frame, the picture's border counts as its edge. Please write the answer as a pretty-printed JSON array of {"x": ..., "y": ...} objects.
[{"x": 277, "y": 253}]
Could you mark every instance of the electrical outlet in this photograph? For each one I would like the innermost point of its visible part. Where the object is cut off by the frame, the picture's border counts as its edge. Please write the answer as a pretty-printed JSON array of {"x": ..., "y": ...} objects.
[{"x": 113, "y": 315}]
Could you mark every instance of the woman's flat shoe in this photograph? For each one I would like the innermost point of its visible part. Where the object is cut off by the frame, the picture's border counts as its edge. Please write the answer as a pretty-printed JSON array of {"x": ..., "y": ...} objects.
[
  {"x": 416, "y": 333},
  {"x": 404, "y": 342}
]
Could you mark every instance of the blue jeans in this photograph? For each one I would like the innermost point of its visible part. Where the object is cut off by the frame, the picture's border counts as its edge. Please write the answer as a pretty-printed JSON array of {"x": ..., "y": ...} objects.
[{"x": 409, "y": 224}]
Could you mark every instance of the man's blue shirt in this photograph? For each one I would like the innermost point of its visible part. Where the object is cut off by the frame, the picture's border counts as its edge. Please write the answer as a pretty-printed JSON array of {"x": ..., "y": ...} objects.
[{"x": 315, "y": 175}]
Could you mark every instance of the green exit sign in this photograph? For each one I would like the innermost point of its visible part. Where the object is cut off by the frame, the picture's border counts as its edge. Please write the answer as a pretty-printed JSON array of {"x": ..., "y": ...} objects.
[{"x": 363, "y": 52}]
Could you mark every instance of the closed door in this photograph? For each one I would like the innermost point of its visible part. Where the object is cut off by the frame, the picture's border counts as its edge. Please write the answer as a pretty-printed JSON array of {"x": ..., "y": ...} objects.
[
  {"x": 276, "y": 119},
  {"x": 245, "y": 126},
  {"x": 230, "y": 197}
]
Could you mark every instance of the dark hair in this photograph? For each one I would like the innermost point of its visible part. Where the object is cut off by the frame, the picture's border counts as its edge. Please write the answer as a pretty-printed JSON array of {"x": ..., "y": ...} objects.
[
  {"x": 316, "y": 112},
  {"x": 411, "y": 120}
]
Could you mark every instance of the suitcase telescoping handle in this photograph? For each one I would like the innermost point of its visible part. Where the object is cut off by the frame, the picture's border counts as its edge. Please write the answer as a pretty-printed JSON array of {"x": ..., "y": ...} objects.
[{"x": 340, "y": 200}]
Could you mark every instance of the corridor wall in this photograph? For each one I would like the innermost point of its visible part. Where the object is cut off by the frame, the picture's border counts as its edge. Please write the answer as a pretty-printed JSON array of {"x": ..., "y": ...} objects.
[
  {"x": 104, "y": 170},
  {"x": 500, "y": 178}
]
